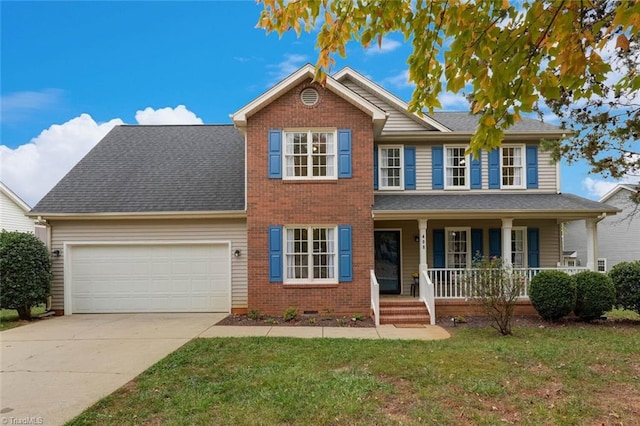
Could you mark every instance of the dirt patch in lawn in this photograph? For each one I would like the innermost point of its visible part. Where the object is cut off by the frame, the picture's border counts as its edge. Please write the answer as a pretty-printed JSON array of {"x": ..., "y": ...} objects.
[{"x": 305, "y": 320}]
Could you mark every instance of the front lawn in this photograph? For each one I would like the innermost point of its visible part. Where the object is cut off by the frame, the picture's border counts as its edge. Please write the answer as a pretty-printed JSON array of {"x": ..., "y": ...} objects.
[
  {"x": 573, "y": 375},
  {"x": 9, "y": 317}
]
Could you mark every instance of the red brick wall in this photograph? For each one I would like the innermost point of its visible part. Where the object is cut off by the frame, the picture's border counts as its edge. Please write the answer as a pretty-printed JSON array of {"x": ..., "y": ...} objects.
[{"x": 338, "y": 202}]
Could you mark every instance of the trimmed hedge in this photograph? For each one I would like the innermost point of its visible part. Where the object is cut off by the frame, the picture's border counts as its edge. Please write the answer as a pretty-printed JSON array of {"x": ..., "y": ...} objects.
[
  {"x": 25, "y": 272},
  {"x": 626, "y": 280},
  {"x": 595, "y": 295},
  {"x": 553, "y": 294}
]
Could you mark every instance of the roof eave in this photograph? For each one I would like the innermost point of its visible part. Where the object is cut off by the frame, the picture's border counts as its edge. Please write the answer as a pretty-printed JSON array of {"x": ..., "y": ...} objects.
[
  {"x": 222, "y": 214},
  {"x": 560, "y": 215},
  {"x": 465, "y": 136},
  {"x": 14, "y": 197}
]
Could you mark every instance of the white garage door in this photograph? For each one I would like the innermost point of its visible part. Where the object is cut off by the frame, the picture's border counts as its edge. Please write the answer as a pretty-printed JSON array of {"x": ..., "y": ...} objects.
[{"x": 150, "y": 278}]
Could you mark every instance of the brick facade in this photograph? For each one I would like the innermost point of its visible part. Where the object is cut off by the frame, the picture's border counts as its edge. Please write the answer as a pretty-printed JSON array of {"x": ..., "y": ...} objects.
[{"x": 334, "y": 202}]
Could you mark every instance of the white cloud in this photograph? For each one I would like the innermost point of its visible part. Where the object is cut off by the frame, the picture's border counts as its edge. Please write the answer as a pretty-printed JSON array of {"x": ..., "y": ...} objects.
[
  {"x": 597, "y": 188},
  {"x": 32, "y": 169},
  {"x": 17, "y": 106},
  {"x": 288, "y": 66},
  {"x": 168, "y": 115},
  {"x": 388, "y": 45},
  {"x": 453, "y": 102}
]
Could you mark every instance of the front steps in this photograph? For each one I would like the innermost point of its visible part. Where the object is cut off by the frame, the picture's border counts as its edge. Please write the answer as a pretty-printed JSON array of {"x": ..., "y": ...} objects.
[{"x": 403, "y": 311}]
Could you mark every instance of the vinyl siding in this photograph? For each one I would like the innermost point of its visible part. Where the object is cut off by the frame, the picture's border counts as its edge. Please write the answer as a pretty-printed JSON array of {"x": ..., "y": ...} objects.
[
  {"x": 234, "y": 230},
  {"x": 12, "y": 217},
  {"x": 549, "y": 241},
  {"x": 618, "y": 236}
]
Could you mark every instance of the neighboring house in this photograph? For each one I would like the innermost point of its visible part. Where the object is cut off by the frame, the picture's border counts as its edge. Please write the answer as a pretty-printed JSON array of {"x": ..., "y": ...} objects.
[
  {"x": 319, "y": 198},
  {"x": 618, "y": 236},
  {"x": 13, "y": 212}
]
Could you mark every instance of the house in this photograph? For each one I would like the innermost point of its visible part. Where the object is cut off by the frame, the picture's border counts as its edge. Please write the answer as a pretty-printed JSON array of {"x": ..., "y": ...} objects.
[
  {"x": 13, "y": 214},
  {"x": 317, "y": 197},
  {"x": 618, "y": 236}
]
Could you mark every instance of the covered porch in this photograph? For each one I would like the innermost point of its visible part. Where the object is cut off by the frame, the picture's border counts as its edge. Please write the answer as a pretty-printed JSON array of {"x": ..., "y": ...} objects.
[{"x": 426, "y": 246}]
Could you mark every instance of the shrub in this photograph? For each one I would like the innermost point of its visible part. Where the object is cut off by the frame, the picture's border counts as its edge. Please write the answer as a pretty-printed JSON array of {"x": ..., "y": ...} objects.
[
  {"x": 496, "y": 291},
  {"x": 254, "y": 314},
  {"x": 25, "y": 272},
  {"x": 553, "y": 294},
  {"x": 595, "y": 295},
  {"x": 626, "y": 280},
  {"x": 291, "y": 314}
]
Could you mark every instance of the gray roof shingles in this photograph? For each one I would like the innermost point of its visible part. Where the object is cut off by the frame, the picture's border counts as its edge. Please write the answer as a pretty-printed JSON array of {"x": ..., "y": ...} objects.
[
  {"x": 467, "y": 122},
  {"x": 169, "y": 168},
  {"x": 488, "y": 202}
]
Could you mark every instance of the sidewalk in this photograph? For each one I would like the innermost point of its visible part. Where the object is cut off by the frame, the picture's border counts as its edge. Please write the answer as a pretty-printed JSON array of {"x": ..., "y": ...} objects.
[{"x": 420, "y": 332}]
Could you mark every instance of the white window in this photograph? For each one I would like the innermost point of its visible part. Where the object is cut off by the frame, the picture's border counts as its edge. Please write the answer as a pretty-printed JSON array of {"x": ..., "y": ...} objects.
[
  {"x": 519, "y": 247},
  {"x": 458, "y": 247},
  {"x": 456, "y": 168},
  {"x": 601, "y": 265},
  {"x": 310, "y": 254},
  {"x": 310, "y": 154},
  {"x": 390, "y": 167},
  {"x": 512, "y": 166}
]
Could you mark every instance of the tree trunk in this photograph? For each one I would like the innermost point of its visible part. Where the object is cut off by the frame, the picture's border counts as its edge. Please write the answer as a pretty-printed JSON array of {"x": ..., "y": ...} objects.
[{"x": 24, "y": 312}]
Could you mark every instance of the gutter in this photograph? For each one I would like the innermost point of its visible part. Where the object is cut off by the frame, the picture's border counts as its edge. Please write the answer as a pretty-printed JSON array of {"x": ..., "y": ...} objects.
[{"x": 230, "y": 214}]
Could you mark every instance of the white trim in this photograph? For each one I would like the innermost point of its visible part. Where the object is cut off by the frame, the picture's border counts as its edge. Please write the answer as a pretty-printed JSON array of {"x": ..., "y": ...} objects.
[
  {"x": 523, "y": 166},
  {"x": 604, "y": 261},
  {"x": 347, "y": 72},
  {"x": 391, "y": 188},
  {"x": 525, "y": 245},
  {"x": 231, "y": 214},
  {"x": 240, "y": 117},
  {"x": 467, "y": 168},
  {"x": 69, "y": 245},
  {"x": 14, "y": 197},
  {"x": 613, "y": 191}
]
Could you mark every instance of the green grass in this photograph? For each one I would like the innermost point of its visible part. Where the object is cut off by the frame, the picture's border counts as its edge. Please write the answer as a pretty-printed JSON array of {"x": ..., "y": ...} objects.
[
  {"x": 571, "y": 375},
  {"x": 9, "y": 317},
  {"x": 623, "y": 314}
]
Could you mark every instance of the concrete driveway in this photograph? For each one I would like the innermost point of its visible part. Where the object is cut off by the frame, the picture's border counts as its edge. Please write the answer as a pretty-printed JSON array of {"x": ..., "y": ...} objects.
[{"x": 53, "y": 369}]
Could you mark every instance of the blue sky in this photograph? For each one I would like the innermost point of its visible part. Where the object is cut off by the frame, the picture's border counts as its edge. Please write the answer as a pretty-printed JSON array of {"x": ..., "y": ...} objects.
[{"x": 71, "y": 70}]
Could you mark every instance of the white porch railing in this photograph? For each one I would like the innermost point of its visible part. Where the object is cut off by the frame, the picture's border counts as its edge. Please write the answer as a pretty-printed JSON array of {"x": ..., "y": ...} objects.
[
  {"x": 451, "y": 283},
  {"x": 427, "y": 295},
  {"x": 375, "y": 297}
]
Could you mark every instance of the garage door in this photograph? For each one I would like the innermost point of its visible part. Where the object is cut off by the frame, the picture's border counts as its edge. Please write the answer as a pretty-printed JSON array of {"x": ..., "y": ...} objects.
[{"x": 150, "y": 278}]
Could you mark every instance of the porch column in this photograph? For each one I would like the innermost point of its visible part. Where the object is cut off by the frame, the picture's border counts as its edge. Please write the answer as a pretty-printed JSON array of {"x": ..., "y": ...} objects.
[
  {"x": 422, "y": 225},
  {"x": 592, "y": 243},
  {"x": 507, "y": 224}
]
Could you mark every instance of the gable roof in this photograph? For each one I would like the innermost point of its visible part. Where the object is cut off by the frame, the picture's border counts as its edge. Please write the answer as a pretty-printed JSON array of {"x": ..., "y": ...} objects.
[
  {"x": 143, "y": 169},
  {"x": 305, "y": 73},
  {"x": 14, "y": 197},
  {"x": 616, "y": 189}
]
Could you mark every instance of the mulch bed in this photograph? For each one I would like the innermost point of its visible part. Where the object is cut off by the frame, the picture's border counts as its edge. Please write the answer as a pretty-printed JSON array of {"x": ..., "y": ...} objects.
[{"x": 306, "y": 320}]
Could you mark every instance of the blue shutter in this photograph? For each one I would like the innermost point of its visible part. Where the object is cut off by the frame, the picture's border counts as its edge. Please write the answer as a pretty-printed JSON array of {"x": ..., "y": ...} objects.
[
  {"x": 375, "y": 167},
  {"x": 477, "y": 250},
  {"x": 532, "y": 166},
  {"x": 344, "y": 153},
  {"x": 494, "y": 169},
  {"x": 275, "y": 154},
  {"x": 495, "y": 242},
  {"x": 533, "y": 247},
  {"x": 409, "y": 167},
  {"x": 476, "y": 171},
  {"x": 345, "y": 273},
  {"x": 437, "y": 168},
  {"x": 275, "y": 254},
  {"x": 438, "y": 248}
]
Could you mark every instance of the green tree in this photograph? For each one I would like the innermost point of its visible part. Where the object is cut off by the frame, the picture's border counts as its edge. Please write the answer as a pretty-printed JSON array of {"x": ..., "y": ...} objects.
[
  {"x": 508, "y": 57},
  {"x": 25, "y": 272}
]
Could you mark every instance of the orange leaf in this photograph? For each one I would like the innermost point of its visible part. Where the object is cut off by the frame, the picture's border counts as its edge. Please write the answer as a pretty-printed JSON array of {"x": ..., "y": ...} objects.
[{"x": 622, "y": 42}]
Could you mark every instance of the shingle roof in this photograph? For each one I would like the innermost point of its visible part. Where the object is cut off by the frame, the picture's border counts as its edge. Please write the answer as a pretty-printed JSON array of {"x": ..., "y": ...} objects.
[
  {"x": 155, "y": 169},
  {"x": 488, "y": 202},
  {"x": 466, "y": 122}
]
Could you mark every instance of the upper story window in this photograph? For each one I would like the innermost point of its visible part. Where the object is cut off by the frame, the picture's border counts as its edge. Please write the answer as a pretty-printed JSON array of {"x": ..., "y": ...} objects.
[
  {"x": 310, "y": 254},
  {"x": 456, "y": 168},
  {"x": 391, "y": 167},
  {"x": 512, "y": 166},
  {"x": 310, "y": 154}
]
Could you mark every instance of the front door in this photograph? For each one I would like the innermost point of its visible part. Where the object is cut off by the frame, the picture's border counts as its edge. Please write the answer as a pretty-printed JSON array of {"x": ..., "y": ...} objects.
[{"x": 387, "y": 261}]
